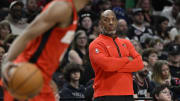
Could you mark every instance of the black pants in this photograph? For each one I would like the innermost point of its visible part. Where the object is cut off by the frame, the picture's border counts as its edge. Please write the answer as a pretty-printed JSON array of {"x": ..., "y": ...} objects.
[{"x": 115, "y": 98}]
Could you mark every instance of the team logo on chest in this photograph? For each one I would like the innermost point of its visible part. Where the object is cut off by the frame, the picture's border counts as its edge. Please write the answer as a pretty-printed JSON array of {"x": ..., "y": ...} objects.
[
  {"x": 124, "y": 45},
  {"x": 96, "y": 50}
]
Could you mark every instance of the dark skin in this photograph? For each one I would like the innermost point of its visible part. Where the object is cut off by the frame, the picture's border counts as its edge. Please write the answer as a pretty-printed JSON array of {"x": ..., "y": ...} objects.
[
  {"x": 41, "y": 24},
  {"x": 108, "y": 22},
  {"x": 175, "y": 10}
]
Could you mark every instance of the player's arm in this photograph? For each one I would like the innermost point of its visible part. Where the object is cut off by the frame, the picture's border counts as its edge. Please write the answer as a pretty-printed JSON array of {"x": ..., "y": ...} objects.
[
  {"x": 136, "y": 64},
  {"x": 98, "y": 57},
  {"x": 55, "y": 13}
]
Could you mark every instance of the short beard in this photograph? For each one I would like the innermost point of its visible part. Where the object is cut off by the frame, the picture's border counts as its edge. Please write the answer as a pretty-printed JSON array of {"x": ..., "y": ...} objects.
[
  {"x": 74, "y": 80},
  {"x": 142, "y": 74},
  {"x": 138, "y": 23},
  {"x": 122, "y": 32},
  {"x": 109, "y": 33},
  {"x": 16, "y": 17}
]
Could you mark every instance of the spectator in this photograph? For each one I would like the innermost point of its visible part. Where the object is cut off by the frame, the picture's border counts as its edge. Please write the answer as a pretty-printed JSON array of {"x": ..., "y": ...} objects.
[
  {"x": 141, "y": 82},
  {"x": 137, "y": 46},
  {"x": 89, "y": 90},
  {"x": 138, "y": 31},
  {"x": 102, "y": 5},
  {"x": 161, "y": 74},
  {"x": 162, "y": 93},
  {"x": 176, "y": 30},
  {"x": 151, "y": 56},
  {"x": 79, "y": 47},
  {"x": 174, "y": 59},
  {"x": 5, "y": 30},
  {"x": 147, "y": 11},
  {"x": 147, "y": 42},
  {"x": 8, "y": 41},
  {"x": 58, "y": 78},
  {"x": 95, "y": 31},
  {"x": 79, "y": 54},
  {"x": 158, "y": 5},
  {"x": 162, "y": 29},
  {"x": 158, "y": 45},
  {"x": 15, "y": 17},
  {"x": 177, "y": 39},
  {"x": 172, "y": 12},
  {"x": 32, "y": 10},
  {"x": 88, "y": 7},
  {"x": 2, "y": 52},
  {"x": 122, "y": 29},
  {"x": 72, "y": 89},
  {"x": 86, "y": 21}
]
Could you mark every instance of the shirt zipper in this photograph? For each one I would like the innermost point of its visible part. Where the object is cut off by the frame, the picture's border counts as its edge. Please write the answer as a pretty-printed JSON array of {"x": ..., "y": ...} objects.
[{"x": 117, "y": 47}]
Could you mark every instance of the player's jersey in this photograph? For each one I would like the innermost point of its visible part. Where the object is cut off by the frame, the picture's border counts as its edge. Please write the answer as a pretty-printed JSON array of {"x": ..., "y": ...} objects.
[{"x": 46, "y": 50}]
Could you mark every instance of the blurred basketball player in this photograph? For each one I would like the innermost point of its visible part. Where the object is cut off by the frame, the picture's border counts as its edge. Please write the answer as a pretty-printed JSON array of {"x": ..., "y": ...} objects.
[{"x": 44, "y": 41}]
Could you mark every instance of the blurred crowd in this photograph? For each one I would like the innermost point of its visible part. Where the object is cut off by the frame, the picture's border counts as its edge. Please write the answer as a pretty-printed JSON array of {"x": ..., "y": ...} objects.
[{"x": 153, "y": 26}]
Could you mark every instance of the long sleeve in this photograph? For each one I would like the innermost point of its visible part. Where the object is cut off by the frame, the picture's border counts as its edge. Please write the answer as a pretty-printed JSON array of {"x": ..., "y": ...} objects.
[
  {"x": 98, "y": 57},
  {"x": 108, "y": 58},
  {"x": 136, "y": 64}
]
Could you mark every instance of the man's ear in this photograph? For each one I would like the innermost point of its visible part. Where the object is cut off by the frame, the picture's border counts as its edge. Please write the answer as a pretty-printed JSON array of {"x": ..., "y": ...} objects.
[
  {"x": 100, "y": 22},
  {"x": 156, "y": 96}
]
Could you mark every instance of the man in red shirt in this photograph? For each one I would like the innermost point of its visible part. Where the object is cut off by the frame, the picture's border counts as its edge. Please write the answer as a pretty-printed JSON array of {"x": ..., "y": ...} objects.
[
  {"x": 44, "y": 41},
  {"x": 113, "y": 60}
]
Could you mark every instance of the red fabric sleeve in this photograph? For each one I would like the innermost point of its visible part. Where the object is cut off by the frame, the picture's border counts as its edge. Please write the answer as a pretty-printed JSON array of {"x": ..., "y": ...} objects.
[
  {"x": 99, "y": 58},
  {"x": 136, "y": 64}
]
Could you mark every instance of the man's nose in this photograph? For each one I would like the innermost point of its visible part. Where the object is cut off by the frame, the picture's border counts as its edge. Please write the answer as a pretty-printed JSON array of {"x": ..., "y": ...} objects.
[{"x": 111, "y": 22}]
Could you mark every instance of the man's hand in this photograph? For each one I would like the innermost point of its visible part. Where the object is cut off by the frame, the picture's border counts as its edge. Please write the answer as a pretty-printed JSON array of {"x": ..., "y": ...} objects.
[
  {"x": 7, "y": 69},
  {"x": 167, "y": 82},
  {"x": 130, "y": 58}
]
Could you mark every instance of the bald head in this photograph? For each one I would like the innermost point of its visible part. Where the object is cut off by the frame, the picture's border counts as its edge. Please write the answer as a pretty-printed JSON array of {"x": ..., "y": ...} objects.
[
  {"x": 107, "y": 13},
  {"x": 122, "y": 21},
  {"x": 108, "y": 22},
  {"x": 122, "y": 27}
]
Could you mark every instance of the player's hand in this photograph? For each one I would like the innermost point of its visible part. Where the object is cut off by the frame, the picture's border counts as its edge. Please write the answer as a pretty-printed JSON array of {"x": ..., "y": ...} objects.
[
  {"x": 7, "y": 70},
  {"x": 130, "y": 58},
  {"x": 168, "y": 82}
]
